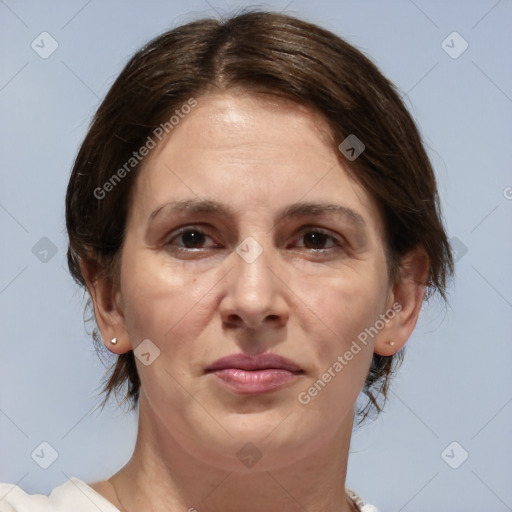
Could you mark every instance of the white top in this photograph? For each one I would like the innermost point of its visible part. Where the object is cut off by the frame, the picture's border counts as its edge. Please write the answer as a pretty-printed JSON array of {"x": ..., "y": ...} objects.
[
  {"x": 76, "y": 496},
  {"x": 358, "y": 502},
  {"x": 72, "y": 496}
]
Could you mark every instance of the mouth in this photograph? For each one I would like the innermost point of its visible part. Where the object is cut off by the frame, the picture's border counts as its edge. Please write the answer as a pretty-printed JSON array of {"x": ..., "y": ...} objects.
[{"x": 246, "y": 374}]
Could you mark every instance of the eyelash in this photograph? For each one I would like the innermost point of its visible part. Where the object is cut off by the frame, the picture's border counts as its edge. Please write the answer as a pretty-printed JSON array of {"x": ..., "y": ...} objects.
[{"x": 191, "y": 229}]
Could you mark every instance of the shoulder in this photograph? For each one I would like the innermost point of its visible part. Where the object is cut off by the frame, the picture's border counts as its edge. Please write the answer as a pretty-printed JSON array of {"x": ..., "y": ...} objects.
[{"x": 71, "y": 495}]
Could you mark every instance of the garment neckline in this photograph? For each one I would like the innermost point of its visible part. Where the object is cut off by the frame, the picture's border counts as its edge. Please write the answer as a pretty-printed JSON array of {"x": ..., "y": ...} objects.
[
  {"x": 358, "y": 502},
  {"x": 356, "y": 499}
]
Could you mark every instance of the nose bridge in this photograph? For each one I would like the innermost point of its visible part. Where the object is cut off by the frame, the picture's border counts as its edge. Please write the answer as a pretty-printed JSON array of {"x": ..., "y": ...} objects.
[
  {"x": 254, "y": 265},
  {"x": 254, "y": 292}
]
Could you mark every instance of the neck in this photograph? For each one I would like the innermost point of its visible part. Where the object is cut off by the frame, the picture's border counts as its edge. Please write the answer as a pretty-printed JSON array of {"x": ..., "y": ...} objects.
[{"x": 162, "y": 476}]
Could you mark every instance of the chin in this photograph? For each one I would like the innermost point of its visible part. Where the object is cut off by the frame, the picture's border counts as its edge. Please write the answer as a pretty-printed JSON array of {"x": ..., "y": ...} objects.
[{"x": 255, "y": 446}]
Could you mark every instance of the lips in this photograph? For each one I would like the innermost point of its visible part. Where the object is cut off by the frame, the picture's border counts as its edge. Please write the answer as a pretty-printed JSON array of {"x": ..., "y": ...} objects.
[
  {"x": 251, "y": 363},
  {"x": 254, "y": 374}
]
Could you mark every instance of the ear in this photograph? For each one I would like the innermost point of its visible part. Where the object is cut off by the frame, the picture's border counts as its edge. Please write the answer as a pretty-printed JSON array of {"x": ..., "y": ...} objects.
[
  {"x": 108, "y": 310},
  {"x": 404, "y": 303}
]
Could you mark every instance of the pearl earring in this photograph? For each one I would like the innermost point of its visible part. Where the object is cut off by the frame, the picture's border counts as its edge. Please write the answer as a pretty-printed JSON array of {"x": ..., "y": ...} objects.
[
  {"x": 391, "y": 343},
  {"x": 113, "y": 341}
]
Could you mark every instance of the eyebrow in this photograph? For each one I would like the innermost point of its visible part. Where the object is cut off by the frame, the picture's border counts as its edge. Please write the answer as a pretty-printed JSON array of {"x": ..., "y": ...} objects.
[{"x": 292, "y": 211}]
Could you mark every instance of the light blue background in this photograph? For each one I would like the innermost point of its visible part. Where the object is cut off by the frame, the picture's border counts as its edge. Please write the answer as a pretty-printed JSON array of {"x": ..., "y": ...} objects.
[{"x": 456, "y": 382}]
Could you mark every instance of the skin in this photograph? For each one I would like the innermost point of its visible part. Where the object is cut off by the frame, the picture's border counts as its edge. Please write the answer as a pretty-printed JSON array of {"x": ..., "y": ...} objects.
[{"x": 303, "y": 301}]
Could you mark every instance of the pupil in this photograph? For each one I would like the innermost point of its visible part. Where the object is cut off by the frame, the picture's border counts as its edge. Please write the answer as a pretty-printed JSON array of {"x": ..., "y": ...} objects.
[
  {"x": 192, "y": 238},
  {"x": 317, "y": 238}
]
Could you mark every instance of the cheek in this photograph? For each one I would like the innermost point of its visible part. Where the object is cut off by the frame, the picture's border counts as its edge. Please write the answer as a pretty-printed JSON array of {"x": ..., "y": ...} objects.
[
  {"x": 344, "y": 308},
  {"x": 345, "y": 304},
  {"x": 159, "y": 301}
]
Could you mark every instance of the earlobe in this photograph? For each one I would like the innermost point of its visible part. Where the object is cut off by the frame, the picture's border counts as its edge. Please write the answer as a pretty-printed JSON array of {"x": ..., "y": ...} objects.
[
  {"x": 406, "y": 298},
  {"x": 386, "y": 347},
  {"x": 107, "y": 311},
  {"x": 112, "y": 345}
]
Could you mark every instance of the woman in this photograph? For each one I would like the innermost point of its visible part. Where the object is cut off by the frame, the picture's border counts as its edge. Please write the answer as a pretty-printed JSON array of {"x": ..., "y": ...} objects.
[{"x": 257, "y": 223}]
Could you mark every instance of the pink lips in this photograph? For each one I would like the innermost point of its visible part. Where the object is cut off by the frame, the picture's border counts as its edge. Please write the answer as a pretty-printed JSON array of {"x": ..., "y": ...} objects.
[{"x": 254, "y": 374}]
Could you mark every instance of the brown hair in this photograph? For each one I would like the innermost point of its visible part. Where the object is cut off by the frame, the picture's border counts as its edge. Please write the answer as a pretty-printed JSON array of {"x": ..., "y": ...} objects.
[{"x": 267, "y": 53}]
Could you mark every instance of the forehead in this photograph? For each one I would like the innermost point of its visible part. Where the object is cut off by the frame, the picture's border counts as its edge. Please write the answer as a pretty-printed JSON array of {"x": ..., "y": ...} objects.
[
  {"x": 241, "y": 115},
  {"x": 254, "y": 152}
]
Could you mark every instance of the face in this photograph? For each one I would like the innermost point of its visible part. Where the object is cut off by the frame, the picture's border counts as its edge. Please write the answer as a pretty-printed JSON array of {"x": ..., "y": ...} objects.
[{"x": 256, "y": 264}]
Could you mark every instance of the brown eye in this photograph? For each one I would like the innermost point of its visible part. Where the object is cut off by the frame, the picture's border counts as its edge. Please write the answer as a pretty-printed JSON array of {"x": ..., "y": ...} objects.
[
  {"x": 317, "y": 239},
  {"x": 188, "y": 238},
  {"x": 192, "y": 237}
]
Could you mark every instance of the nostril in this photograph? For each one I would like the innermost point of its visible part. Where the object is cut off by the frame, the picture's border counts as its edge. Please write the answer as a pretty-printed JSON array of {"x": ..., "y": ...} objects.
[{"x": 234, "y": 320}]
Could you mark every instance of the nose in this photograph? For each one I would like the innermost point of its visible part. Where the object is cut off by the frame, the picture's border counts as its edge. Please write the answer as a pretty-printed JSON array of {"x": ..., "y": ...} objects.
[{"x": 255, "y": 293}]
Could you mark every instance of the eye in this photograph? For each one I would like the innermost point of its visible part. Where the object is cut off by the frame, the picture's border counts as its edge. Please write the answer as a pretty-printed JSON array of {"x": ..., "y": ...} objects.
[
  {"x": 191, "y": 238},
  {"x": 316, "y": 240}
]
